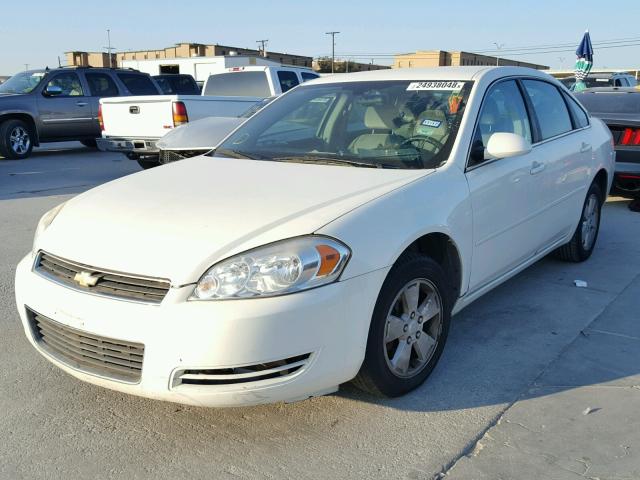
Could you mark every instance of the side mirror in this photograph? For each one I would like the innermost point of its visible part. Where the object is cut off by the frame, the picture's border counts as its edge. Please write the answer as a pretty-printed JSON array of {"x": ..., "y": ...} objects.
[
  {"x": 53, "y": 91},
  {"x": 504, "y": 145}
]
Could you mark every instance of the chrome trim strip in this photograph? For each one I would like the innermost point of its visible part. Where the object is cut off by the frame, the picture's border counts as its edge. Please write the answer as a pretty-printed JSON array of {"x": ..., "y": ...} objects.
[{"x": 70, "y": 286}]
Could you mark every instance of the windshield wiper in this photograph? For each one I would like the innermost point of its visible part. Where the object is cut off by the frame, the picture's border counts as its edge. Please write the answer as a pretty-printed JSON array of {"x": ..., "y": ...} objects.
[
  {"x": 326, "y": 161},
  {"x": 236, "y": 154}
]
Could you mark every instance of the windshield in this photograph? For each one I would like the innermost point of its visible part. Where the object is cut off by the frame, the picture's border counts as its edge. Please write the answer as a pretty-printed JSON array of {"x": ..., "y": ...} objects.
[
  {"x": 23, "y": 82},
  {"x": 385, "y": 124}
]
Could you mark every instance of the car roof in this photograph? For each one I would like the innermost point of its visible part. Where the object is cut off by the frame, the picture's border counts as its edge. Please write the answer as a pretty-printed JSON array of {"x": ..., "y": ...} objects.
[{"x": 436, "y": 73}]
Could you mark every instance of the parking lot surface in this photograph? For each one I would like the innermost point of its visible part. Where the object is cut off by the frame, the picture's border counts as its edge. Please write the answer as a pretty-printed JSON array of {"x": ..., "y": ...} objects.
[{"x": 540, "y": 379}]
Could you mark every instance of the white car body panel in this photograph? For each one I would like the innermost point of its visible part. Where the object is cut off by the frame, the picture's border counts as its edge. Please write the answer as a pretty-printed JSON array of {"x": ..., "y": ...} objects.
[{"x": 177, "y": 220}]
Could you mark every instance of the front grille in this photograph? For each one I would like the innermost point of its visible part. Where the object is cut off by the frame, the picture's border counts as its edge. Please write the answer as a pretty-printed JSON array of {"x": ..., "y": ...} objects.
[
  {"x": 168, "y": 156},
  {"x": 245, "y": 374},
  {"x": 111, "y": 284},
  {"x": 87, "y": 352}
]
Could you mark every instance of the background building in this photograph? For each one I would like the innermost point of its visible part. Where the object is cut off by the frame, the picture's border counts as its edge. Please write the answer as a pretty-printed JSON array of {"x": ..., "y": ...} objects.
[
  {"x": 323, "y": 65},
  {"x": 442, "y": 58},
  {"x": 181, "y": 50}
]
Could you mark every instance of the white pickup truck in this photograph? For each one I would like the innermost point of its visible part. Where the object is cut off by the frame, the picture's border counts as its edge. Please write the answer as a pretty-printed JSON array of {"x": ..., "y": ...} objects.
[{"x": 133, "y": 125}]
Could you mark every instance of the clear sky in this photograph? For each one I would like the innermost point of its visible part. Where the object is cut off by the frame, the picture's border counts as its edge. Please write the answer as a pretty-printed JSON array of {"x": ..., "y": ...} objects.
[{"x": 39, "y": 31}]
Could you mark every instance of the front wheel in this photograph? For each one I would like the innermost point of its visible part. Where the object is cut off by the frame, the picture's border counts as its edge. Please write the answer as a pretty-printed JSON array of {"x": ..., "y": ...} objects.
[
  {"x": 408, "y": 329},
  {"x": 581, "y": 245},
  {"x": 16, "y": 140}
]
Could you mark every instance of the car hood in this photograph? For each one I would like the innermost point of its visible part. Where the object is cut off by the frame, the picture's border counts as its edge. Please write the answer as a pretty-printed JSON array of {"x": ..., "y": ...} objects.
[
  {"x": 176, "y": 220},
  {"x": 205, "y": 133}
]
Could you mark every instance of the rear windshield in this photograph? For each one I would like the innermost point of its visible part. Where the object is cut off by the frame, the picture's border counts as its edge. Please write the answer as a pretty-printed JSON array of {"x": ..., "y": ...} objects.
[
  {"x": 138, "y": 84},
  {"x": 177, "y": 84},
  {"x": 238, "y": 84},
  {"x": 611, "y": 102}
]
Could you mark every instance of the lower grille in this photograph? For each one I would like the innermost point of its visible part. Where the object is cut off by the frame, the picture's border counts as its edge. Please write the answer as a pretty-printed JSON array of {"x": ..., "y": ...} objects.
[
  {"x": 168, "y": 156},
  {"x": 87, "y": 352},
  {"x": 111, "y": 284},
  {"x": 245, "y": 374}
]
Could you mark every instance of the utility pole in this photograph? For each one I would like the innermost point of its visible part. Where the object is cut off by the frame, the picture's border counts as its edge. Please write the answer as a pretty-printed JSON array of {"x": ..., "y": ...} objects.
[
  {"x": 499, "y": 47},
  {"x": 263, "y": 48},
  {"x": 109, "y": 47},
  {"x": 26, "y": 67},
  {"x": 333, "y": 49}
]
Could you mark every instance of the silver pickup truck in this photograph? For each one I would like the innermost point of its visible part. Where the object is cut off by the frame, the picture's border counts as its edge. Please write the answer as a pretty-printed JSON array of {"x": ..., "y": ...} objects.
[{"x": 61, "y": 104}]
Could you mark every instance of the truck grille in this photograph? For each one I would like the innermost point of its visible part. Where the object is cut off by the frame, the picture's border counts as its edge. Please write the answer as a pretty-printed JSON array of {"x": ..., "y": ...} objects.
[
  {"x": 245, "y": 374},
  {"x": 110, "y": 284},
  {"x": 87, "y": 352}
]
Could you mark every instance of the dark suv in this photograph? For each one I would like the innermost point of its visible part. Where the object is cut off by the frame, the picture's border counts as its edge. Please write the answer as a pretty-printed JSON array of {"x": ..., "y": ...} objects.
[{"x": 61, "y": 104}]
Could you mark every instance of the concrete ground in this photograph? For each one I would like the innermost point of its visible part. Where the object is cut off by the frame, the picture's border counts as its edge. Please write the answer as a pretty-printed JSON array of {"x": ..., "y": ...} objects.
[{"x": 540, "y": 379}]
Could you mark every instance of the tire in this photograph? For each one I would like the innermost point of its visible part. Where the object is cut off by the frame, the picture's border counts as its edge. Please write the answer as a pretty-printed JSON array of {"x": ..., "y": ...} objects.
[
  {"x": 90, "y": 143},
  {"x": 147, "y": 164},
  {"x": 16, "y": 140},
  {"x": 581, "y": 245},
  {"x": 381, "y": 373}
]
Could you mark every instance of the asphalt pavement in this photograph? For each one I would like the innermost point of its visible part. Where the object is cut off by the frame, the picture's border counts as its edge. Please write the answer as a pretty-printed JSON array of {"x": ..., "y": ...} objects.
[{"x": 540, "y": 379}]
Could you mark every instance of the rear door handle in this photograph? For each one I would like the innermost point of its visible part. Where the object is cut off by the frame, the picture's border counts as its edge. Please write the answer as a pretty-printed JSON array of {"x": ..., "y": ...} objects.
[
  {"x": 585, "y": 147},
  {"x": 536, "y": 167},
  {"x": 82, "y": 104}
]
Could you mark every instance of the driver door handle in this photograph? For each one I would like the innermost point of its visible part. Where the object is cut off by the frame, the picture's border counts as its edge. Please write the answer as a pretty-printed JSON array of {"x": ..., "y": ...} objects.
[
  {"x": 585, "y": 147},
  {"x": 536, "y": 167},
  {"x": 82, "y": 104}
]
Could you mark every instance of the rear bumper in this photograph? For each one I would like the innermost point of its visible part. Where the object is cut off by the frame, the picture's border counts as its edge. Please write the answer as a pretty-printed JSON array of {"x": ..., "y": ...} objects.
[
  {"x": 142, "y": 146},
  {"x": 626, "y": 181}
]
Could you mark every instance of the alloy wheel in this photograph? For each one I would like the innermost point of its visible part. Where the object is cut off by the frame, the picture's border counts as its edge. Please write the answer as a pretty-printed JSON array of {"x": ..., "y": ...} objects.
[
  {"x": 413, "y": 328},
  {"x": 590, "y": 219},
  {"x": 19, "y": 140}
]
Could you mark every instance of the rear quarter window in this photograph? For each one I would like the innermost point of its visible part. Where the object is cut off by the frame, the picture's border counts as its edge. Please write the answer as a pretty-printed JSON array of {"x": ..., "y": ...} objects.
[
  {"x": 580, "y": 118},
  {"x": 138, "y": 84}
]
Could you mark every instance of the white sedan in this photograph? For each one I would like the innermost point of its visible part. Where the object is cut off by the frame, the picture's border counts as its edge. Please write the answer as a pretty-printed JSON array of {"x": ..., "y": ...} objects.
[{"x": 329, "y": 238}]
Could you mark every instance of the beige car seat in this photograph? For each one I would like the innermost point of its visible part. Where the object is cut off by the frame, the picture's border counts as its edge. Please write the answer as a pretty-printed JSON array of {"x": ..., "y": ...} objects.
[{"x": 380, "y": 120}]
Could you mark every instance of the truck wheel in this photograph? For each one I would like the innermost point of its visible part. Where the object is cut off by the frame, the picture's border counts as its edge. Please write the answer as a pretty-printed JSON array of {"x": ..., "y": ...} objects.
[
  {"x": 408, "y": 329},
  {"x": 90, "y": 143},
  {"x": 16, "y": 140},
  {"x": 146, "y": 164}
]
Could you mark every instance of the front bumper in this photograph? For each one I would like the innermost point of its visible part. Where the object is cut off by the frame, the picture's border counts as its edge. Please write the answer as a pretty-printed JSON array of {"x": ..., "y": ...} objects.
[
  {"x": 141, "y": 146},
  {"x": 331, "y": 323}
]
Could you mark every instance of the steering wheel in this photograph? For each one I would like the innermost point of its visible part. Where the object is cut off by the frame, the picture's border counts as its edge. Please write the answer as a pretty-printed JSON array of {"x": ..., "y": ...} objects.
[{"x": 422, "y": 140}]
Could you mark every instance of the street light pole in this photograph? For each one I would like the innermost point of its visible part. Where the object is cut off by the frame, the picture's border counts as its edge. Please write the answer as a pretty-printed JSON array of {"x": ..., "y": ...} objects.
[
  {"x": 109, "y": 47},
  {"x": 499, "y": 47},
  {"x": 333, "y": 49}
]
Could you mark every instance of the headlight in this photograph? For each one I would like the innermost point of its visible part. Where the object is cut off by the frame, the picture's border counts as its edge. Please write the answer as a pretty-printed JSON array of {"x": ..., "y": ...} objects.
[
  {"x": 44, "y": 223},
  {"x": 276, "y": 269}
]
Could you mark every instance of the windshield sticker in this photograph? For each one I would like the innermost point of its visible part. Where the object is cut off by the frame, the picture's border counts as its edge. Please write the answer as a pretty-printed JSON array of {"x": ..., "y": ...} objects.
[
  {"x": 431, "y": 123},
  {"x": 455, "y": 86}
]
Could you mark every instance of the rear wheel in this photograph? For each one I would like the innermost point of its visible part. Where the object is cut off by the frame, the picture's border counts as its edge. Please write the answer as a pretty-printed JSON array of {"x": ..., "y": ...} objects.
[
  {"x": 408, "y": 329},
  {"x": 584, "y": 239},
  {"x": 16, "y": 140}
]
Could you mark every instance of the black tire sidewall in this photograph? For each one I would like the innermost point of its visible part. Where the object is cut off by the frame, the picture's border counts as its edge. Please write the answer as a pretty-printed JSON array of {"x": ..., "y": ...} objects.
[
  {"x": 375, "y": 363},
  {"x": 5, "y": 132}
]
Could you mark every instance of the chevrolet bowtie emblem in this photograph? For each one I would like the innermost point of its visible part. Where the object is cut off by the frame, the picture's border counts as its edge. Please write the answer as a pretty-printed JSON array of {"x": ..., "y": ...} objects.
[{"x": 85, "y": 279}]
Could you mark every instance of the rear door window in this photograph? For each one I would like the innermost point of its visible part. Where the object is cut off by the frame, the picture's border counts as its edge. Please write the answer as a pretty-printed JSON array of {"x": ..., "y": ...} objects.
[
  {"x": 101, "y": 85},
  {"x": 138, "y": 84},
  {"x": 549, "y": 107},
  {"x": 238, "y": 84},
  {"x": 287, "y": 80}
]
